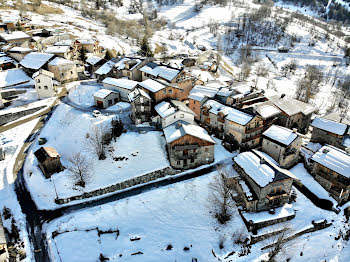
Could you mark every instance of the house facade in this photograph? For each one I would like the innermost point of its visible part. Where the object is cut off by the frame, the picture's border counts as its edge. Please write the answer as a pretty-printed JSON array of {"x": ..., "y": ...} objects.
[
  {"x": 188, "y": 145},
  {"x": 141, "y": 106},
  {"x": 282, "y": 144},
  {"x": 198, "y": 96},
  {"x": 331, "y": 169},
  {"x": 88, "y": 45},
  {"x": 64, "y": 70},
  {"x": 16, "y": 38},
  {"x": 261, "y": 184},
  {"x": 44, "y": 84},
  {"x": 129, "y": 67},
  {"x": 122, "y": 85}
]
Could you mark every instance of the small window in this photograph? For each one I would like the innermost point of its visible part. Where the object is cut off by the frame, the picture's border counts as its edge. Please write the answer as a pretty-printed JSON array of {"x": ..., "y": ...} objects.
[
  {"x": 170, "y": 91},
  {"x": 164, "y": 91},
  {"x": 62, "y": 74},
  {"x": 182, "y": 116},
  {"x": 206, "y": 149},
  {"x": 192, "y": 160},
  {"x": 178, "y": 162},
  {"x": 39, "y": 87},
  {"x": 71, "y": 72},
  {"x": 38, "y": 80},
  {"x": 174, "y": 116},
  {"x": 141, "y": 99},
  {"x": 45, "y": 87},
  {"x": 142, "y": 109},
  {"x": 110, "y": 102}
]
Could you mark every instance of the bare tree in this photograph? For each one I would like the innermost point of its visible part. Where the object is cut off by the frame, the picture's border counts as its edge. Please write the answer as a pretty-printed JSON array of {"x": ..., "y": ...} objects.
[
  {"x": 80, "y": 167},
  {"x": 95, "y": 140},
  {"x": 308, "y": 86},
  {"x": 279, "y": 243},
  {"x": 220, "y": 196}
]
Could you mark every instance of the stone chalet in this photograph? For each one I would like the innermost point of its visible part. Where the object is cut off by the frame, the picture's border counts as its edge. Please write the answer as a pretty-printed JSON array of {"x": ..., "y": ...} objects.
[
  {"x": 223, "y": 120},
  {"x": 141, "y": 106},
  {"x": 61, "y": 51},
  {"x": 261, "y": 184},
  {"x": 160, "y": 90},
  {"x": 198, "y": 96},
  {"x": 123, "y": 86},
  {"x": 106, "y": 70},
  {"x": 129, "y": 67},
  {"x": 170, "y": 112},
  {"x": 331, "y": 168},
  {"x": 35, "y": 61},
  {"x": 89, "y": 45},
  {"x": 16, "y": 38},
  {"x": 93, "y": 63},
  {"x": 295, "y": 114},
  {"x": 282, "y": 144},
  {"x": 104, "y": 98},
  {"x": 63, "y": 69},
  {"x": 170, "y": 76},
  {"x": 329, "y": 132},
  {"x": 188, "y": 145},
  {"x": 48, "y": 160}
]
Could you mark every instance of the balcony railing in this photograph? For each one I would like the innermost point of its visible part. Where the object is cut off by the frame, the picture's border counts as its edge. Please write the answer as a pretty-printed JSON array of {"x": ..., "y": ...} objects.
[
  {"x": 244, "y": 140},
  {"x": 188, "y": 156},
  {"x": 279, "y": 196},
  {"x": 251, "y": 130},
  {"x": 183, "y": 147}
]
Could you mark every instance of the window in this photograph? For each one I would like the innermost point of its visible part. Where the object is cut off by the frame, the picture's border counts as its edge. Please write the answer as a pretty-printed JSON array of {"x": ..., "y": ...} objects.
[
  {"x": 174, "y": 116},
  {"x": 71, "y": 72},
  {"x": 170, "y": 91},
  {"x": 206, "y": 149},
  {"x": 142, "y": 108},
  {"x": 192, "y": 160},
  {"x": 62, "y": 74},
  {"x": 178, "y": 162},
  {"x": 39, "y": 87},
  {"x": 185, "y": 152},
  {"x": 110, "y": 102},
  {"x": 115, "y": 100},
  {"x": 164, "y": 91},
  {"x": 141, "y": 99},
  {"x": 182, "y": 116},
  {"x": 38, "y": 80},
  {"x": 45, "y": 87}
]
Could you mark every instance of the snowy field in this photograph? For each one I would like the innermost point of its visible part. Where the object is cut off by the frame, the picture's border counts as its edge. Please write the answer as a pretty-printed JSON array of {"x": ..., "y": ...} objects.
[
  {"x": 82, "y": 94},
  {"x": 178, "y": 215},
  {"x": 15, "y": 139}
]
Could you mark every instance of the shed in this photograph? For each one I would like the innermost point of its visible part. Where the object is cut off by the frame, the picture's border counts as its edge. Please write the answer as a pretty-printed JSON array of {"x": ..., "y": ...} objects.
[{"x": 105, "y": 98}]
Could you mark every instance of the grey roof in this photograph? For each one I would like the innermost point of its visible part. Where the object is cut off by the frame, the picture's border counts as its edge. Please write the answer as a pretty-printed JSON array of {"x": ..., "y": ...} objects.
[
  {"x": 181, "y": 106},
  {"x": 337, "y": 118},
  {"x": 291, "y": 106}
]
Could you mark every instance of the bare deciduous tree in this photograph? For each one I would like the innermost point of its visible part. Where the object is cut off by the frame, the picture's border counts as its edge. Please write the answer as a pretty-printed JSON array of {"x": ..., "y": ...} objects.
[
  {"x": 80, "y": 167},
  {"x": 220, "y": 196},
  {"x": 95, "y": 140},
  {"x": 308, "y": 86}
]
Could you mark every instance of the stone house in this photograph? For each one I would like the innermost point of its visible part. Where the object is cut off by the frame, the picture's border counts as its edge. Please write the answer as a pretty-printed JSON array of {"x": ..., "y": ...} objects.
[
  {"x": 141, "y": 106},
  {"x": 198, "y": 96},
  {"x": 160, "y": 90},
  {"x": 282, "y": 144},
  {"x": 88, "y": 45},
  {"x": 16, "y": 38},
  {"x": 173, "y": 76},
  {"x": 170, "y": 112},
  {"x": 331, "y": 169},
  {"x": 261, "y": 184},
  {"x": 104, "y": 98},
  {"x": 64, "y": 70},
  {"x": 246, "y": 128},
  {"x": 18, "y": 53},
  {"x": 106, "y": 70},
  {"x": 93, "y": 63},
  {"x": 129, "y": 67},
  {"x": 35, "y": 61},
  {"x": 122, "y": 85},
  {"x": 60, "y": 51},
  {"x": 295, "y": 114},
  {"x": 188, "y": 145},
  {"x": 7, "y": 63},
  {"x": 329, "y": 132},
  {"x": 49, "y": 161},
  {"x": 44, "y": 84},
  {"x": 209, "y": 66}
]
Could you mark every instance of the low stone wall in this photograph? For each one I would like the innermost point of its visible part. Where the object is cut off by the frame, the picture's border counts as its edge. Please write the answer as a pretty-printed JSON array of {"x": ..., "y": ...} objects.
[
  {"x": 122, "y": 185},
  {"x": 10, "y": 93},
  {"x": 9, "y": 117}
]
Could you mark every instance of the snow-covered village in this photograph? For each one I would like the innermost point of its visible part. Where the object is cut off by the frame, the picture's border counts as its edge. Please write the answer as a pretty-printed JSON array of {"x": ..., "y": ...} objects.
[{"x": 175, "y": 130}]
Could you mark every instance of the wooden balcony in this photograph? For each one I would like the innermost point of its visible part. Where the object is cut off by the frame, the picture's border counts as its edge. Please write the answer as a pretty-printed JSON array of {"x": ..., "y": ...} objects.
[
  {"x": 251, "y": 138},
  {"x": 274, "y": 197},
  {"x": 251, "y": 130},
  {"x": 184, "y": 147},
  {"x": 339, "y": 182}
]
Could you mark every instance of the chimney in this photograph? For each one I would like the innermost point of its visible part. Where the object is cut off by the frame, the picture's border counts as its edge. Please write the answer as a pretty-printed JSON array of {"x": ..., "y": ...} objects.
[
  {"x": 325, "y": 151},
  {"x": 283, "y": 95},
  {"x": 262, "y": 161},
  {"x": 178, "y": 125},
  {"x": 295, "y": 130}
]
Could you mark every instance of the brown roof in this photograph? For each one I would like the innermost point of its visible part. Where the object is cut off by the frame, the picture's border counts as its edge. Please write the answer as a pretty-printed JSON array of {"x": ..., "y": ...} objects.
[{"x": 44, "y": 152}]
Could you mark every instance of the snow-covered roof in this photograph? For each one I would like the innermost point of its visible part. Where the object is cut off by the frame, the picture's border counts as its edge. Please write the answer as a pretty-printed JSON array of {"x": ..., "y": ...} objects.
[
  {"x": 44, "y": 72},
  {"x": 280, "y": 134},
  {"x": 105, "y": 68},
  {"x": 136, "y": 93},
  {"x": 147, "y": 68},
  {"x": 266, "y": 109},
  {"x": 2, "y": 54},
  {"x": 152, "y": 85},
  {"x": 14, "y": 35},
  {"x": 18, "y": 49},
  {"x": 329, "y": 125},
  {"x": 121, "y": 64},
  {"x": 120, "y": 82},
  {"x": 198, "y": 92},
  {"x": 230, "y": 113},
  {"x": 180, "y": 129},
  {"x": 164, "y": 109},
  {"x": 258, "y": 169},
  {"x": 6, "y": 59},
  {"x": 164, "y": 72},
  {"x": 93, "y": 60},
  {"x": 333, "y": 158},
  {"x": 67, "y": 42},
  {"x": 103, "y": 93},
  {"x": 346, "y": 141},
  {"x": 6, "y": 47},
  {"x": 291, "y": 106},
  {"x": 13, "y": 77},
  {"x": 225, "y": 92},
  {"x": 337, "y": 118},
  {"x": 61, "y": 61},
  {"x": 57, "y": 49},
  {"x": 35, "y": 60},
  {"x": 86, "y": 41}
]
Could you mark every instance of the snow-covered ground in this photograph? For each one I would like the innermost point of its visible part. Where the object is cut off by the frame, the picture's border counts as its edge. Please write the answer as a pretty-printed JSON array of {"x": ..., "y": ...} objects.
[
  {"x": 83, "y": 94},
  {"x": 8, "y": 198}
]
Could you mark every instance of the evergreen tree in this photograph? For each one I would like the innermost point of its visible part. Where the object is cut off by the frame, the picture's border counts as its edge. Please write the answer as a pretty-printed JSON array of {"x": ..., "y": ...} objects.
[{"x": 145, "y": 49}]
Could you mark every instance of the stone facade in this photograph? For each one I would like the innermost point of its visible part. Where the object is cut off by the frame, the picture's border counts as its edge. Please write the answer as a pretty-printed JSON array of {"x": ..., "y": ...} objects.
[
  {"x": 64, "y": 72},
  {"x": 141, "y": 108},
  {"x": 324, "y": 137}
]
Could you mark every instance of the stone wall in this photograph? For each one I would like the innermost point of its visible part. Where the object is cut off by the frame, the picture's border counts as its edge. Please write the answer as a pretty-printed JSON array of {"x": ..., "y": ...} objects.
[
  {"x": 122, "y": 185},
  {"x": 10, "y": 93},
  {"x": 9, "y": 117}
]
